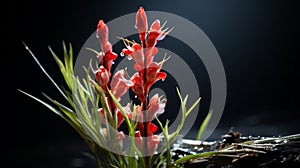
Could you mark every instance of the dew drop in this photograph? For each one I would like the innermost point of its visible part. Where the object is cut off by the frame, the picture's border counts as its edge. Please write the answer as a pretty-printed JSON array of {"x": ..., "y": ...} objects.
[
  {"x": 113, "y": 62},
  {"x": 122, "y": 54},
  {"x": 135, "y": 96},
  {"x": 129, "y": 58},
  {"x": 101, "y": 53},
  {"x": 26, "y": 48}
]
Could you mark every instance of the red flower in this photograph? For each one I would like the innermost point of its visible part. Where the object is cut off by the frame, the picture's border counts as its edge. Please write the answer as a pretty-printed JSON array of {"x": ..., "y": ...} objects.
[
  {"x": 156, "y": 106},
  {"x": 106, "y": 59},
  {"x": 155, "y": 34},
  {"x": 141, "y": 23},
  {"x": 136, "y": 53},
  {"x": 103, "y": 119},
  {"x": 120, "y": 84},
  {"x": 102, "y": 77},
  {"x": 153, "y": 75},
  {"x": 138, "y": 87},
  {"x": 153, "y": 142}
]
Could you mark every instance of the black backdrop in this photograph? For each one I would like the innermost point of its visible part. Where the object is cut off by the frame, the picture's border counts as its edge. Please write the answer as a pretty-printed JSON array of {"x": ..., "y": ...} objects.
[{"x": 256, "y": 40}]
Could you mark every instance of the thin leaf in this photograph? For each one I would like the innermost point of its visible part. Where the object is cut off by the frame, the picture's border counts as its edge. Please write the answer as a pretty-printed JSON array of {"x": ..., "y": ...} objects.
[
  {"x": 193, "y": 106},
  {"x": 42, "y": 102},
  {"x": 44, "y": 71},
  {"x": 204, "y": 125}
]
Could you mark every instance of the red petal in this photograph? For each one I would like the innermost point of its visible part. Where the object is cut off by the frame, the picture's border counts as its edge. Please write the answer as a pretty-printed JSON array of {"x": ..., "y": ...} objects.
[
  {"x": 151, "y": 128},
  {"x": 161, "y": 75},
  {"x": 111, "y": 55},
  {"x": 120, "y": 118},
  {"x": 126, "y": 51},
  {"x": 100, "y": 24},
  {"x": 155, "y": 25}
]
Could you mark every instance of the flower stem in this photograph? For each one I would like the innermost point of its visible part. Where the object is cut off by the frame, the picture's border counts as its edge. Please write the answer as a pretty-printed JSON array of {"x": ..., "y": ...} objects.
[{"x": 144, "y": 109}]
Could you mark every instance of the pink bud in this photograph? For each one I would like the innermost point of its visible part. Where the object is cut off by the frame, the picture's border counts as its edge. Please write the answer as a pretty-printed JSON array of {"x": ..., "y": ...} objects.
[
  {"x": 141, "y": 23},
  {"x": 102, "y": 77},
  {"x": 102, "y": 34}
]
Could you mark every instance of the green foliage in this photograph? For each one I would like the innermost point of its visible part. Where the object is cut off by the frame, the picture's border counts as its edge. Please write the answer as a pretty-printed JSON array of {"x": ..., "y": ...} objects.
[{"x": 84, "y": 97}]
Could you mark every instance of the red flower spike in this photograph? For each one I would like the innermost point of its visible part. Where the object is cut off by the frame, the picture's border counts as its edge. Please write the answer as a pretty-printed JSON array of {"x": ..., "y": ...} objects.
[
  {"x": 141, "y": 24},
  {"x": 148, "y": 72},
  {"x": 102, "y": 77}
]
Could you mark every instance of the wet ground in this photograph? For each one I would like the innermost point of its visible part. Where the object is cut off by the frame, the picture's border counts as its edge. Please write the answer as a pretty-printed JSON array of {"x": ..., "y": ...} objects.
[{"x": 62, "y": 152}]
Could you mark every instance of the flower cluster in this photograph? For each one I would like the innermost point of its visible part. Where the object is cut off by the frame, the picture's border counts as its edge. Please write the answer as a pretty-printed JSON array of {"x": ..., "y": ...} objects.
[
  {"x": 147, "y": 73},
  {"x": 96, "y": 113}
]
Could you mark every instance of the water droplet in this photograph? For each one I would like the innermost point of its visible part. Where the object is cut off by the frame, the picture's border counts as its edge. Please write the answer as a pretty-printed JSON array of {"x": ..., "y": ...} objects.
[
  {"x": 26, "y": 48},
  {"x": 122, "y": 54},
  {"x": 101, "y": 53},
  {"x": 113, "y": 62},
  {"x": 135, "y": 96},
  {"x": 129, "y": 58}
]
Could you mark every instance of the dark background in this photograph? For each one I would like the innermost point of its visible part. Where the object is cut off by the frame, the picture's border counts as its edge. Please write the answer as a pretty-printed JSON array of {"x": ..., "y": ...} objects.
[{"x": 256, "y": 40}]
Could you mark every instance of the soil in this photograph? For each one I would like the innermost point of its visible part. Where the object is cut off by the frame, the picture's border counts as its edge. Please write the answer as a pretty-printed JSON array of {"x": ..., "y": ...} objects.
[{"x": 235, "y": 151}]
